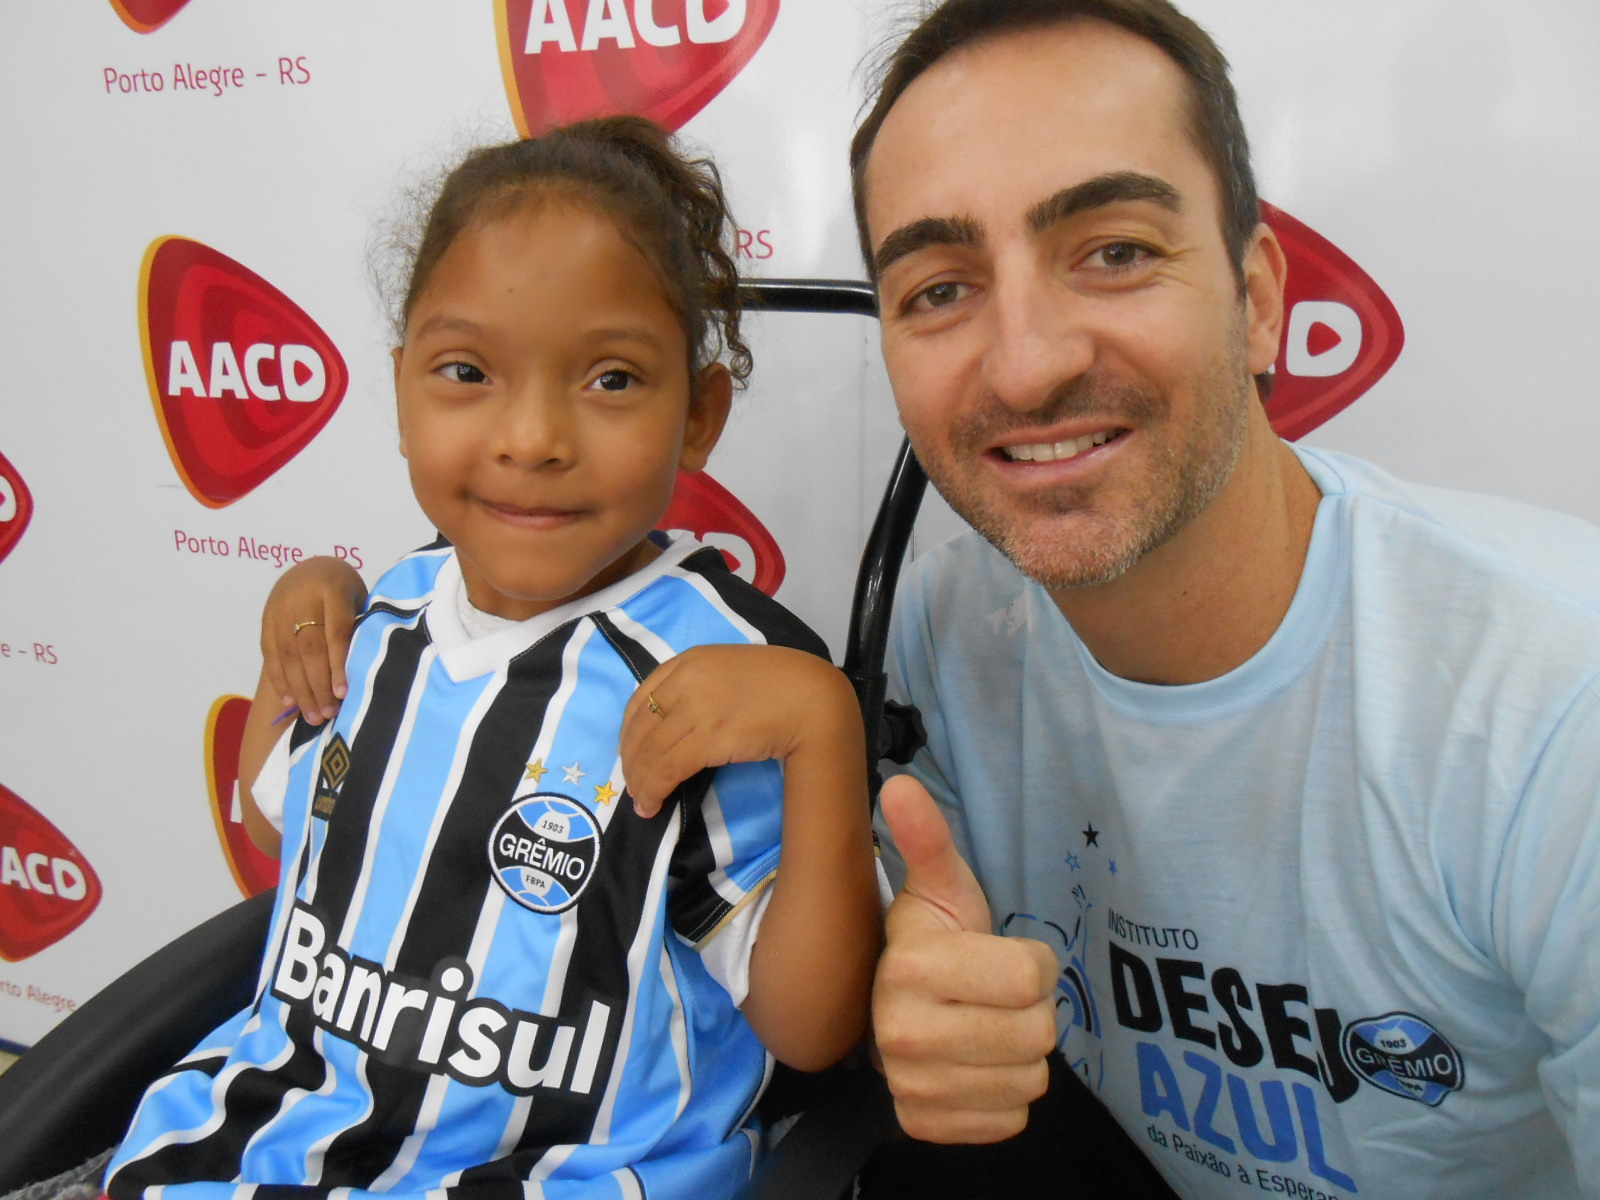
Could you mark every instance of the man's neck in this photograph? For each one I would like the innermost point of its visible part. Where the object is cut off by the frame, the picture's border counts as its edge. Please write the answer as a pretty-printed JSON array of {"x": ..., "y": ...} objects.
[{"x": 1206, "y": 601}]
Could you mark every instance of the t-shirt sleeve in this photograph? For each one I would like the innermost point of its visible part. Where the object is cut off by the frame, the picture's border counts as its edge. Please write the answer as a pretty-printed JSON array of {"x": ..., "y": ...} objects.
[
  {"x": 1547, "y": 910},
  {"x": 272, "y": 784},
  {"x": 726, "y": 954},
  {"x": 911, "y": 668}
]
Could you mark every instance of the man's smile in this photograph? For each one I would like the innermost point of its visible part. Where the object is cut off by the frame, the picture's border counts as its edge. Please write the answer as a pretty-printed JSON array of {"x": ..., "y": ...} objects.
[{"x": 1044, "y": 452}]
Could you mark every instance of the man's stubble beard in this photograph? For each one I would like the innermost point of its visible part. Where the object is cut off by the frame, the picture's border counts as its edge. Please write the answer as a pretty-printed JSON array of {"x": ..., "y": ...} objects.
[{"x": 1088, "y": 545}]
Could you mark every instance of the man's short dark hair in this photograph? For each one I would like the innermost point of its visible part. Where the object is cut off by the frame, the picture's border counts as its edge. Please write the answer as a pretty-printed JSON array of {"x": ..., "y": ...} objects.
[{"x": 1214, "y": 124}]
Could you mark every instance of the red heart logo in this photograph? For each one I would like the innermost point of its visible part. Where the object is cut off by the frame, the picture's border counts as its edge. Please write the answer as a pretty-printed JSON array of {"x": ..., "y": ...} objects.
[
  {"x": 147, "y": 16},
  {"x": 715, "y": 515},
  {"x": 16, "y": 507},
  {"x": 241, "y": 378},
  {"x": 1340, "y": 333},
  {"x": 47, "y": 888},
  {"x": 565, "y": 60},
  {"x": 252, "y": 870}
]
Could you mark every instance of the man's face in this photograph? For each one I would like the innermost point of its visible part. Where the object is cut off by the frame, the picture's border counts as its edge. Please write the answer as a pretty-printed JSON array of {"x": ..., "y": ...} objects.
[{"x": 1062, "y": 323}]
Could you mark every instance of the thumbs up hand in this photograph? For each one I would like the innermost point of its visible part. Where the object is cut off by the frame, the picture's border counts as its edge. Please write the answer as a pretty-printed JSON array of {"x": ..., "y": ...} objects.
[{"x": 963, "y": 1019}]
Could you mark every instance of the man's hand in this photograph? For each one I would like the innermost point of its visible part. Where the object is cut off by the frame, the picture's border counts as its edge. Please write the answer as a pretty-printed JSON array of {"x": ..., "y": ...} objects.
[{"x": 963, "y": 1018}]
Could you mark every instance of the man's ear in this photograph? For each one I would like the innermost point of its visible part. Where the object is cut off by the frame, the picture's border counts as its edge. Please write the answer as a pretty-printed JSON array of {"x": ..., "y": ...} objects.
[
  {"x": 397, "y": 354},
  {"x": 1266, "y": 272},
  {"x": 710, "y": 398}
]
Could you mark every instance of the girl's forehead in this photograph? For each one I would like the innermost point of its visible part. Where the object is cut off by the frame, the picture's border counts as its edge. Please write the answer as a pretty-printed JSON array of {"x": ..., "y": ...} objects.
[{"x": 558, "y": 262}]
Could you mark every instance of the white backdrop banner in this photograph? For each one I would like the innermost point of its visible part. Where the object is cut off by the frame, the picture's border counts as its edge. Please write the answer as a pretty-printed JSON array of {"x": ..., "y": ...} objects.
[{"x": 200, "y": 393}]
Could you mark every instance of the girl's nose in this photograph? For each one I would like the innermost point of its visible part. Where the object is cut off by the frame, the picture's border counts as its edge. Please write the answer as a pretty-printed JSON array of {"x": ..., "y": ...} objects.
[{"x": 534, "y": 430}]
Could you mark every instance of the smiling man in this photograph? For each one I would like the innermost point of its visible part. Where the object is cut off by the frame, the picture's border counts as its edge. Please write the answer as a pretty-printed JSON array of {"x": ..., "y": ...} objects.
[{"x": 1263, "y": 786}]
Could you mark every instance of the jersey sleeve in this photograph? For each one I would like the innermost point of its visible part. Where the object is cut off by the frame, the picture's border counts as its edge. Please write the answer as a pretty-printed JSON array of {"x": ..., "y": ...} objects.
[
  {"x": 1547, "y": 910},
  {"x": 728, "y": 850}
]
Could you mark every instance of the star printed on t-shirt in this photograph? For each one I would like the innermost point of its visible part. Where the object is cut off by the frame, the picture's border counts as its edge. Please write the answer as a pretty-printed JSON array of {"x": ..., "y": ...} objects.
[
  {"x": 1091, "y": 836},
  {"x": 1073, "y": 862},
  {"x": 536, "y": 770},
  {"x": 1113, "y": 866},
  {"x": 572, "y": 774},
  {"x": 605, "y": 793}
]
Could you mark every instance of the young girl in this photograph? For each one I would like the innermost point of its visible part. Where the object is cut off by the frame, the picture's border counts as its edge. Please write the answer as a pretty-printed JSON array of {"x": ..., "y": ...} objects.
[{"x": 488, "y": 973}]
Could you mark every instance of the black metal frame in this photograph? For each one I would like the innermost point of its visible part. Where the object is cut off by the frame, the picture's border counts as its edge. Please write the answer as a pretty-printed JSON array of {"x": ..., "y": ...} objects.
[{"x": 893, "y": 731}]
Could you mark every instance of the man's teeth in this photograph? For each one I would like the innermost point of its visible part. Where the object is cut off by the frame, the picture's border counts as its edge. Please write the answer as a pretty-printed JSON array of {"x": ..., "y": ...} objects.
[{"x": 1056, "y": 451}]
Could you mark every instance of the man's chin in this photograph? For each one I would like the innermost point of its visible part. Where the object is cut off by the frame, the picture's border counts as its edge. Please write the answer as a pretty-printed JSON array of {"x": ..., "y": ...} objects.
[
  {"x": 1065, "y": 572},
  {"x": 1063, "y": 553}
]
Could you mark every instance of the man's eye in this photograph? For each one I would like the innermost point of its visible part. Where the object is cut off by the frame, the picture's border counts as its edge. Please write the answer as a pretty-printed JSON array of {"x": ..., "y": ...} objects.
[
  {"x": 1119, "y": 255},
  {"x": 939, "y": 295},
  {"x": 615, "y": 381},
  {"x": 460, "y": 372}
]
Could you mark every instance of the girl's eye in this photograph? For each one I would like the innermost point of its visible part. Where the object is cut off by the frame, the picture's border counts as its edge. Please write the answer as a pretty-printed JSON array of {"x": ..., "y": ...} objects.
[
  {"x": 940, "y": 295},
  {"x": 1119, "y": 256},
  {"x": 615, "y": 381},
  {"x": 461, "y": 372}
]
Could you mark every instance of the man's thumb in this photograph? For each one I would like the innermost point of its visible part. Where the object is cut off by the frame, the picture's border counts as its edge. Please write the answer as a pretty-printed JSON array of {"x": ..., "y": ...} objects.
[{"x": 935, "y": 871}]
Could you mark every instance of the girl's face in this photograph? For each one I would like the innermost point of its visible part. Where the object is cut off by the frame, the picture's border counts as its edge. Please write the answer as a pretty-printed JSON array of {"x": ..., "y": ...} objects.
[{"x": 546, "y": 405}]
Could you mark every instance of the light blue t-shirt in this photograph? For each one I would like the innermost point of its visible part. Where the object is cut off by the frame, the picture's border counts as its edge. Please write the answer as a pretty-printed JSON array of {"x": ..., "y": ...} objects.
[{"x": 1328, "y": 925}]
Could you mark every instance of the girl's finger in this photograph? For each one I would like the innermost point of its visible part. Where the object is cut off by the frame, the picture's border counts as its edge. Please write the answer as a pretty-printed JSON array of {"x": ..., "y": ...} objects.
[
  {"x": 340, "y": 627},
  {"x": 272, "y": 670},
  {"x": 299, "y": 687},
  {"x": 313, "y": 658}
]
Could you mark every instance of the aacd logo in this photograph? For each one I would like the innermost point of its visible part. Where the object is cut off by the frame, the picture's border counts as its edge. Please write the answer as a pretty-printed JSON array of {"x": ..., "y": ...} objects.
[
  {"x": 147, "y": 16},
  {"x": 1341, "y": 333},
  {"x": 16, "y": 507},
  {"x": 565, "y": 60},
  {"x": 716, "y": 516},
  {"x": 252, "y": 870},
  {"x": 242, "y": 379},
  {"x": 47, "y": 888}
]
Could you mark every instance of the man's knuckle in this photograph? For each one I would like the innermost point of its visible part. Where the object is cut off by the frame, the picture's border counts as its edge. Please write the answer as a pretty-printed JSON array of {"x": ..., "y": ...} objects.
[
  {"x": 1037, "y": 1081},
  {"x": 917, "y": 1087},
  {"x": 896, "y": 1037},
  {"x": 1043, "y": 1032}
]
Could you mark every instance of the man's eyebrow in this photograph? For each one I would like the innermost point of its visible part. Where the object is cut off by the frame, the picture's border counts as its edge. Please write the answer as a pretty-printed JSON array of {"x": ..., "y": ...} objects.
[
  {"x": 1114, "y": 187},
  {"x": 930, "y": 231}
]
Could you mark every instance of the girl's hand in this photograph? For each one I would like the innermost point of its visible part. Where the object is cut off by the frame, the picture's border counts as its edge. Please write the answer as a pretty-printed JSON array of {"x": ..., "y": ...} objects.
[
  {"x": 811, "y": 967},
  {"x": 305, "y": 633},
  {"x": 715, "y": 705}
]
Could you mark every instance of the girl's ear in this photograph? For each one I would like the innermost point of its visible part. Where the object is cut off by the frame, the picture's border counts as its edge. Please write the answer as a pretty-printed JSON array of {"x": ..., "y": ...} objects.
[
  {"x": 710, "y": 398},
  {"x": 399, "y": 412}
]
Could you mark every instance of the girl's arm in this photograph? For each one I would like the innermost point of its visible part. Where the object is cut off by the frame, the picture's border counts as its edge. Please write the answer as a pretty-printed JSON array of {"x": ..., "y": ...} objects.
[
  {"x": 260, "y": 736},
  {"x": 811, "y": 969},
  {"x": 305, "y": 633}
]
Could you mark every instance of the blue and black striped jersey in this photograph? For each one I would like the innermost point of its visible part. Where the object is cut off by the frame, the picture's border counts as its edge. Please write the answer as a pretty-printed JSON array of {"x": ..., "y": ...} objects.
[{"x": 482, "y": 975}]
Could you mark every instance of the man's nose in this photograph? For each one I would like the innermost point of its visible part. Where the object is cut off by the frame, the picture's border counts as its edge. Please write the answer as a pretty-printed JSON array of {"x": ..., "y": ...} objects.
[{"x": 1039, "y": 341}]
